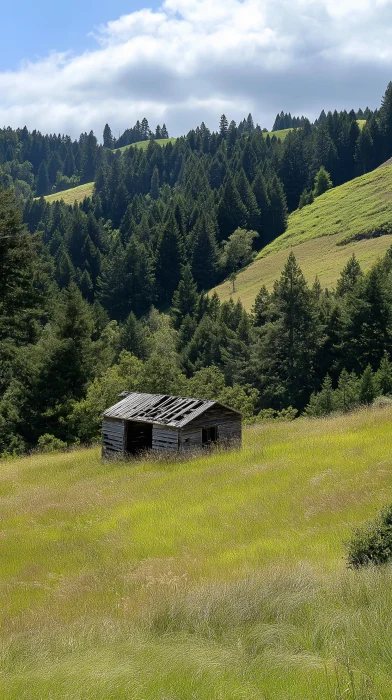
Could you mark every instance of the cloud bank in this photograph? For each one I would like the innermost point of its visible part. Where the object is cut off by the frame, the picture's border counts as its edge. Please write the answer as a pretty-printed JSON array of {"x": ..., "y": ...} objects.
[{"x": 191, "y": 60}]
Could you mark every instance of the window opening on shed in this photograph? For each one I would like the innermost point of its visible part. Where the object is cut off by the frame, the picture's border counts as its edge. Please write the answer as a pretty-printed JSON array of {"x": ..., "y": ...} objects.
[{"x": 209, "y": 435}]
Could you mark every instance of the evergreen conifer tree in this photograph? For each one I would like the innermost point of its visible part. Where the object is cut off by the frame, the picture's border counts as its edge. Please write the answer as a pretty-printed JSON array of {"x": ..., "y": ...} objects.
[
  {"x": 223, "y": 126},
  {"x": 185, "y": 298},
  {"x": 287, "y": 348},
  {"x": 232, "y": 213},
  {"x": 170, "y": 258},
  {"x": 322, "y": 182},
  {"x": 249, "y": 200},
  {"x": 386, "y": 121},
  {"x": 42, "y": 185},
  {"x": 367, "y": 388},
  {"x": 205, "y": 254},
  {"x": 155, "y": 184},
  {"x": 108, "y": 140}
]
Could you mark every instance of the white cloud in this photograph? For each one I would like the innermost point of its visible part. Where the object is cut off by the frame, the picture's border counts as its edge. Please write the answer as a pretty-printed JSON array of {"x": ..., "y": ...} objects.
[{"x": 193, "y": 59}]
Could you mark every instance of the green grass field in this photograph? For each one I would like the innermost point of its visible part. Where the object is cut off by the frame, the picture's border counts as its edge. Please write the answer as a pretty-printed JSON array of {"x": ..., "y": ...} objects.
[
  {"x": 75, "y": 194},
  {"x": 144, "y": 144},
  {"x": 346, "y": 213},
  {"x": 221, "y": 578},
  {"x": 280, "y": 133}
]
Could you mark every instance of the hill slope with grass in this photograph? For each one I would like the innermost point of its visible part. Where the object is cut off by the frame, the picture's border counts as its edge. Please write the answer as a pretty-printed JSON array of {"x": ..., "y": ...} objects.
[
  {"x": 220, "y": 577},
  {"x": 74, "y": 194},
  {"x": 144, "y": 144},
  {"x": 353, "y": 218}
]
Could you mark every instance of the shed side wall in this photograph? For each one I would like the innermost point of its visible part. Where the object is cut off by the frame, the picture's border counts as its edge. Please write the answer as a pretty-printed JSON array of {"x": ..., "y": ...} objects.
[
  {"x": 229, "y": 423},
  {"x": 113, "y": 435},
  {"x": 165, "y": 438},
  {"x": 190, "y": 438}
]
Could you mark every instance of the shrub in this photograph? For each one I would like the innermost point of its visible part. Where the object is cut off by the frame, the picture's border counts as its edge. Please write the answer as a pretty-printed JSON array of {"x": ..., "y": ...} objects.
[
  {"x": 49, "y": 443},
  {"x": 371, "y": 543},
  {"x": 267, "y": 414}
]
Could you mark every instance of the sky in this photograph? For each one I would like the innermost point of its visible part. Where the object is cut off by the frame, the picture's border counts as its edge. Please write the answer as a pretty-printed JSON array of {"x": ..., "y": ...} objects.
[{"x": 72, "y": 67}]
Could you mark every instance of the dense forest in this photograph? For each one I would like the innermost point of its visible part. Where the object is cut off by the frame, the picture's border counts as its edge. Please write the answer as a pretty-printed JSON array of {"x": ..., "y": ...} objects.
[{"x": 110, "y": 295}]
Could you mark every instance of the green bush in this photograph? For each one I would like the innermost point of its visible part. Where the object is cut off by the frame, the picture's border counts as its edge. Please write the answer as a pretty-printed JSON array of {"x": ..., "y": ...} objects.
[
  {"x": 372, "y": 543},
  {"x": 49, "y": 443}
]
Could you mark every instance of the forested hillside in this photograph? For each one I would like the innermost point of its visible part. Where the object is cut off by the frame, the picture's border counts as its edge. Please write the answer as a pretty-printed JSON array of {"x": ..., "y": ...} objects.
[{"x": 110, "y": 293}]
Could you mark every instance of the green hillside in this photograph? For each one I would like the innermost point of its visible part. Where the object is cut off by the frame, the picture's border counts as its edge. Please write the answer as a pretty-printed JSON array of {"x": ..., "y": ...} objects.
[
  {"x": 279, "y": 133},
  {"x": 144, "y": 144},
  {"x": 75, "y": 194},
  {"x": 221, "y": 577},
  {"x": 346, "y": 219}
]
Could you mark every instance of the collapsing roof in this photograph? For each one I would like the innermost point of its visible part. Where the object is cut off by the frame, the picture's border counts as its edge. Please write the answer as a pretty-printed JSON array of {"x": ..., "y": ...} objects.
[{"x": 174, "y": 411}]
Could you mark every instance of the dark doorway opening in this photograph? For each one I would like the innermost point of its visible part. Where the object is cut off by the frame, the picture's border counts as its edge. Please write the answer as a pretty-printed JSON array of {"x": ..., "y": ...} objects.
[
  {"x": 209, "y": 435},
  {"x": 139, "y": 437}
]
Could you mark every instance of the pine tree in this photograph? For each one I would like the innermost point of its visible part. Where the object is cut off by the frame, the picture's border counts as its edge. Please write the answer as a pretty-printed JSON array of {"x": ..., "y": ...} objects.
[
  {"x": 55, "y": 166},
  {"x": 249, "y": 200},
  {"x": 223, "y": 126},
  {"x": 277, "y": 213},
  {"x": 367, "y": 387},
  {"x": 259, "y": 188},
  {"x": 86, "y": 286},
  {"x": 205, "y": 254},
  {"x": 145, "y": 130},
  {"x": 185, "y": 298},
  {"x": 285, "y": 355},
  {"x": 368, "y": 321},
  {"x": 170, "y": 258},
  {"x": 349, "y": 276},
  {"x": 155, "y": 184},
  {"x": 347, "y": 393},
  {"x": 132, "y": 337},
  {"x": 323, "y": 403},
  {"x": 108, "y": 140},
  {"x": 383, "y": 378},
  {"x": 64, "y": 270},
  {"x": 42, "y": 185},
  {"x": 386, "y": 121},
  {"x": 232, "y": 213},
  {"x": 164, "y": 132},
  {"x": 68, "y": 365},
  {"x": 261, "y": 307},
  {"x": 364, "y": 153},
  {"x": 322, "y": 182},
  {"x": 88, "y": 158},
  {"x": 23, "y": 280}
]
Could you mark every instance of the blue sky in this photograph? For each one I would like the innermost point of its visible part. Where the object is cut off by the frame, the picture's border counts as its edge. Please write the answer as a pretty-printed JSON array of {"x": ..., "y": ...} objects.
[
  {"x": 34, "y": 29},
  {"x": 186, "y": 61}
]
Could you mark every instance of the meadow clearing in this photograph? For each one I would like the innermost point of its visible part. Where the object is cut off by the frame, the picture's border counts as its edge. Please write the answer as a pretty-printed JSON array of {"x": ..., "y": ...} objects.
[
  {"x": 75, "y": 194},
  {"x": 219, "y": 578},
  {"x": 144, "y": 144},
  {"x": 354, "y": 214}
]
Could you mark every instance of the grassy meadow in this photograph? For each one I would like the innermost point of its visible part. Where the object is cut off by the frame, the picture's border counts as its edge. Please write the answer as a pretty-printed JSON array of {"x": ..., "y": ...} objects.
[
  {"x": 220, "y": 578},
  {"x": 279, "y": 133},
  {"x": 74, "y": 194},
  {"x": 144, "y": 144},
  {"x": 347, "y": 214}
]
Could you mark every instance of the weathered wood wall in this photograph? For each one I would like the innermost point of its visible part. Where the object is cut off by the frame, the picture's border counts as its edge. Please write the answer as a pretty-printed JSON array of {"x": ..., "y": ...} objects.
[
  {"x": 190, "y": 438},
  {"x": 113, "y": 435},
  {"x": 229, "y": 424},
  {"x": 164, "y": 438}
]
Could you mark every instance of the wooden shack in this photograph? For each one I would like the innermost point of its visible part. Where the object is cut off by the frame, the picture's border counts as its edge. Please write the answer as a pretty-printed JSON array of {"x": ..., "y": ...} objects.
[{"x": 167, "y": 423}]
